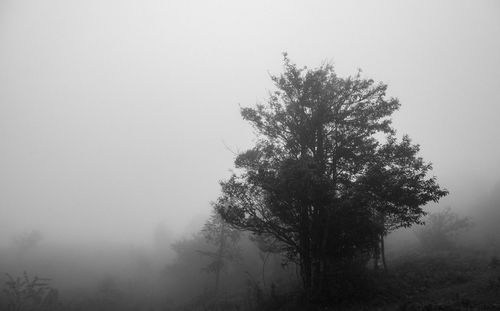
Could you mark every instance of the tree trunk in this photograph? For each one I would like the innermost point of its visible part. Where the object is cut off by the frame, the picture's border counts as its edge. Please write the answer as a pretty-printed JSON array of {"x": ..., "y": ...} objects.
[
  {"x": 217, "y": 280},
  {"x": 382, "y": 250},
  {"x": 306, "y": 273},
  {"x": 376, "y": 255},
  {"x": 319, "y": 254},
  {"x": 305, "y": 254}
]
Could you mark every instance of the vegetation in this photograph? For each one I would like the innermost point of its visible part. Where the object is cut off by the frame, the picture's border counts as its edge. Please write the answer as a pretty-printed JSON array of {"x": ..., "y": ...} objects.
[{"x": 320, "y": 181}]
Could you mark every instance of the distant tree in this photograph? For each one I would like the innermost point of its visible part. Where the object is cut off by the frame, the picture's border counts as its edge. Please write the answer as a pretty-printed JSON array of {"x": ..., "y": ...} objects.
[
  {"x": 441, "y": 229},
  {"x": 319, "y": 179},
  {"x": 225, "y": 238},
  {"x": 267, "y": 246},
  {"x": 26, "y": 241},
  {"x": 162, "y": 236},
  {"x": 162, "y": 241},
  {"x": 181, "y": 277}
]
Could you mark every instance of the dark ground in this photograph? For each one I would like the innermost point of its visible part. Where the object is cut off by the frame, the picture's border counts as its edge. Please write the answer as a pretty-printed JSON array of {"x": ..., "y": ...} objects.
[{"x": 465, "y": 280}]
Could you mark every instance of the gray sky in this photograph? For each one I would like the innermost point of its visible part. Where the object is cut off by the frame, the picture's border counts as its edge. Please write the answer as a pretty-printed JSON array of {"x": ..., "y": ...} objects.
[{"x": 113, "y": 114}]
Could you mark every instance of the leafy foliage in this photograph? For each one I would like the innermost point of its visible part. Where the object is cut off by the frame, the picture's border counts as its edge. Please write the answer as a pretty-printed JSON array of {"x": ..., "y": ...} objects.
[{"x": 318, "y": 179}]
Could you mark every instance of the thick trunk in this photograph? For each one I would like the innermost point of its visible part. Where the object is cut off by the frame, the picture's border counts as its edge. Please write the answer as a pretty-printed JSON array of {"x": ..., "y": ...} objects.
[
  {"x": 313, "y": 261},
  {"x": 320, "y": 255},
  {"x": 382, "y": 250},
  {"x": 306, "y": 270},
  {"x": 316, "y": 265},
  {"x": 316, "y": 276},
  {"x": 322, "y": 222},
  {"x": 322, "y": 278},
  {"x": 319, "y": 252},
  {"x": 305, "y": 253},
  {"x": 376, "y": 255}
]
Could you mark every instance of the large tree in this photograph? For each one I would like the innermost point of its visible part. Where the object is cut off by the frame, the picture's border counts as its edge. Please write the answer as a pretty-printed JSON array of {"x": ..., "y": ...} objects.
[{"x": 321, "y": 180}]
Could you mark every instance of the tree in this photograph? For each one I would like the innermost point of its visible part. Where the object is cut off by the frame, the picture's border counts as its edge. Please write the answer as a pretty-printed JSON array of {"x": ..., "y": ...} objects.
[
  {"x": 395, "y": 186},
  {"x": 441, "y": 229},
  {"x": 319, "y": 179},
  {"x": 217, "y": 232}
]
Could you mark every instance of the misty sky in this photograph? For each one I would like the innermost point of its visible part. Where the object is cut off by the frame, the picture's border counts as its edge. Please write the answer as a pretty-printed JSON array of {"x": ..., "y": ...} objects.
[{"x": 118, "y": 115}]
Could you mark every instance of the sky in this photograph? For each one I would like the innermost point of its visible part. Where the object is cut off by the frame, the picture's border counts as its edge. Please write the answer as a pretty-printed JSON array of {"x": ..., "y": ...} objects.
[{"x": 116, "y": 116}]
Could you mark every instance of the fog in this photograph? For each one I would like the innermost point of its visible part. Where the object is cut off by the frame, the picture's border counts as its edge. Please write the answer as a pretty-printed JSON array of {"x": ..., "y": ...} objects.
[{"x": 119, "y": 117}]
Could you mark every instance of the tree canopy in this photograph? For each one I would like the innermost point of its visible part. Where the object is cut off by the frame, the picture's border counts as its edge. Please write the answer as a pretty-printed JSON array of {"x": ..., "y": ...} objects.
[{"x": 320, "y": 178}]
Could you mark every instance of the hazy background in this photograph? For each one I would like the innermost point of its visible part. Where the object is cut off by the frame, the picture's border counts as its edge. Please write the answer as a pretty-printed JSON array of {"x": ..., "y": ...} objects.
[{"x": 116, "y": 116}]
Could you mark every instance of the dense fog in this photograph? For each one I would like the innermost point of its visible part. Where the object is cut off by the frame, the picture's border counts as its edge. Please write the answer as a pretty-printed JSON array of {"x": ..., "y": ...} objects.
[{"x": 118, "y": 120}]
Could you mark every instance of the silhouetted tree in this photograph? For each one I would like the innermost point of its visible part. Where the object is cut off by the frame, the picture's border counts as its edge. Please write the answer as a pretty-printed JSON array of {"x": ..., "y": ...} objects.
[
  {"x": 395, "y": 186},
  {"x": 319, "y": 179}
]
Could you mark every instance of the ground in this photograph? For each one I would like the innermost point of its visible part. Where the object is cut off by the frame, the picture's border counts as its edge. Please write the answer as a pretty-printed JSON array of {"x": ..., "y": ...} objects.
[{"x": 457, "y": 280}]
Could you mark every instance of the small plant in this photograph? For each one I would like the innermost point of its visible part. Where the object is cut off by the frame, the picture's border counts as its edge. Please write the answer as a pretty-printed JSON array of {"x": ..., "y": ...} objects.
[{"x": 23, "y": 293}]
